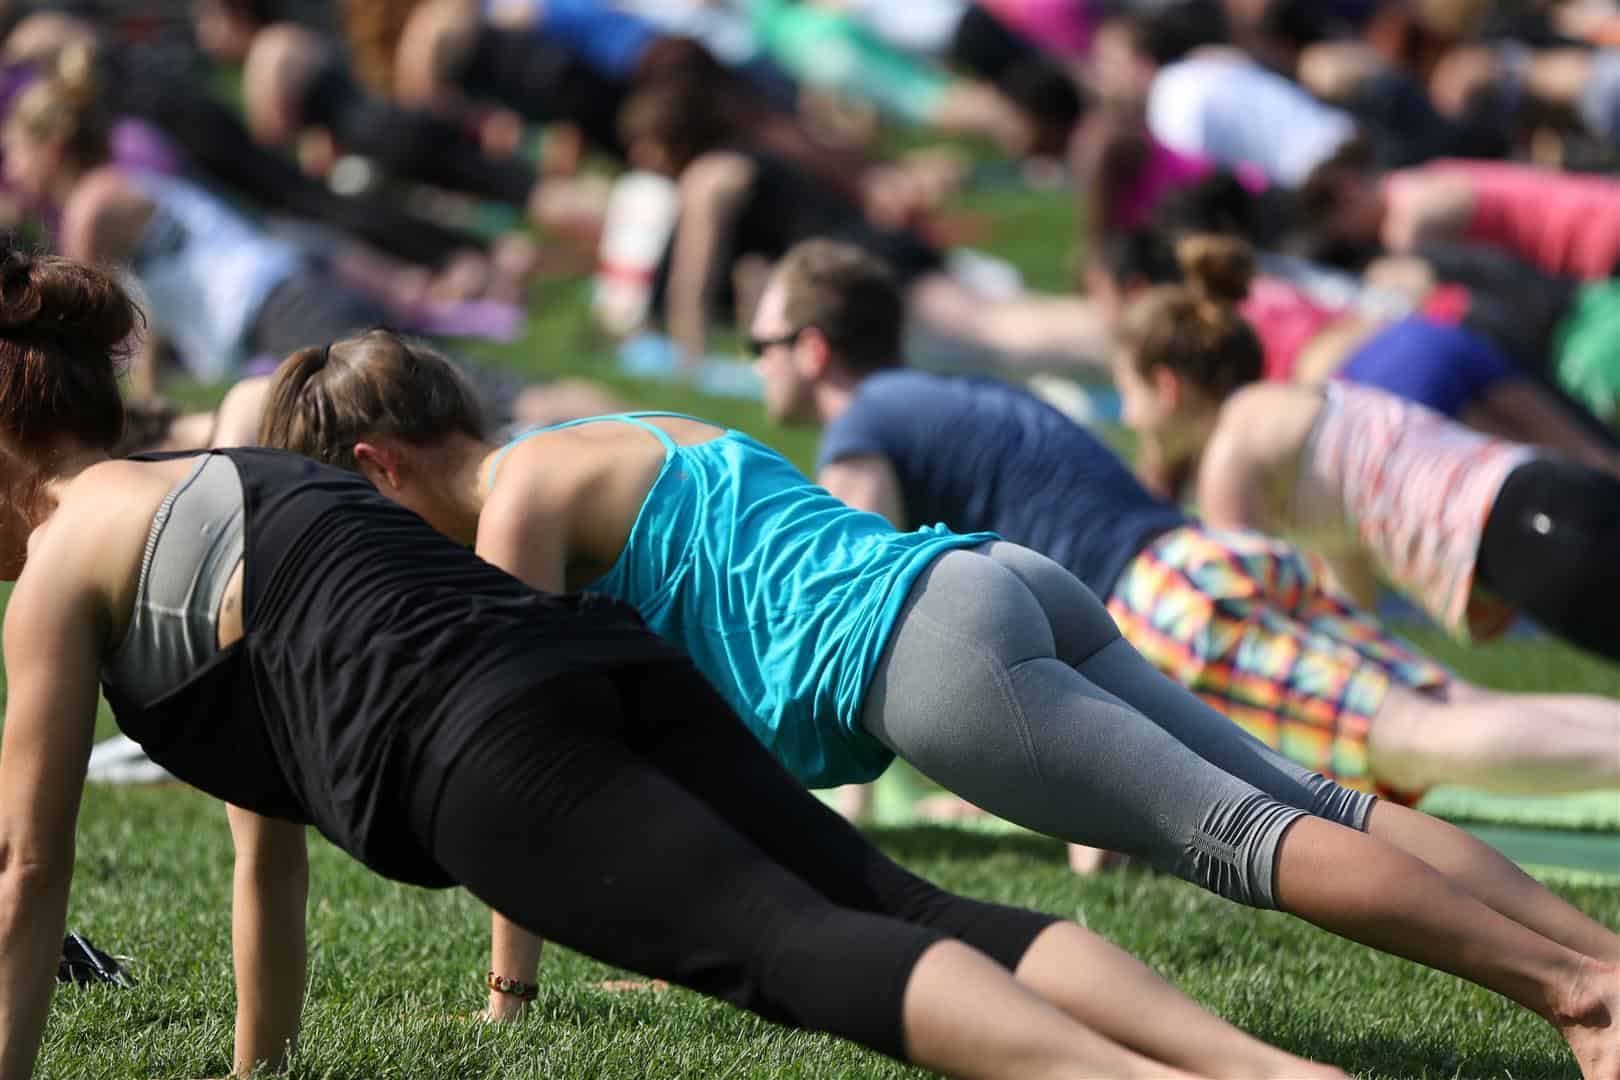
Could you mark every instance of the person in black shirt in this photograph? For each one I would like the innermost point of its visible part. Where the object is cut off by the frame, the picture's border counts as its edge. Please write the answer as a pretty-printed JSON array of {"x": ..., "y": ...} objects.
[{"x": 279, "y": 635}]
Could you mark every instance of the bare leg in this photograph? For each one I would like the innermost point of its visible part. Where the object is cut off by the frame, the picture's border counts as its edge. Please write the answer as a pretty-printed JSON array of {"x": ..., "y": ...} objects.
[
  {"x": 1499, "y": 742},
  {"x": 236, "y": 422},
  {"x": 1368, "y": 890},
  {"x": 1105, "y": 988},
  {"x": 514, "y": 954},
  {"x": 1495, "y": 881},
  {"x": 979, "y": 109},
  {"x": 957, "y": 328},
  {"x": 965, "y": 1016}
]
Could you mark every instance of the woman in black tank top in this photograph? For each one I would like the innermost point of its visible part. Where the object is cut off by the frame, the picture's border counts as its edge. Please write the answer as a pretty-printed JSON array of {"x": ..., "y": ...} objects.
[{"x": 444, "y": 724}]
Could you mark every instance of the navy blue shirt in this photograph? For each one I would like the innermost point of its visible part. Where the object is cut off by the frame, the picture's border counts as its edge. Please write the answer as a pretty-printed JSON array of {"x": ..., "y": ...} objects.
[{"x": 983, "y": 456}]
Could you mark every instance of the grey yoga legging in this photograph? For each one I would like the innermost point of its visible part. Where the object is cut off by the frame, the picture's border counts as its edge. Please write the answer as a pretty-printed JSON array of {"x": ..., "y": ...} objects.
[{"x": 1006, "y": 681}]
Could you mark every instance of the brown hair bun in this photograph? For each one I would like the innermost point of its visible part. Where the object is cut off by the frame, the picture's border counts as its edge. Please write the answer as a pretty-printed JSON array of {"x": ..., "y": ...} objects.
[
  {"x": 63, "y": 328},
  {"x": 1219, "y": 268}
]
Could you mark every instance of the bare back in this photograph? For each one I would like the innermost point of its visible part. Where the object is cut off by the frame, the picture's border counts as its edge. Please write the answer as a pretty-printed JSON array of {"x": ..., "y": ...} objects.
[{"x": 98, "y": 537}]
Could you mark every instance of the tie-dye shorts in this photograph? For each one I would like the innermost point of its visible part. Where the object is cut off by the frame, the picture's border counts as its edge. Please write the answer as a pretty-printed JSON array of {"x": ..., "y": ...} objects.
[{"x": 1253, "y": 625}]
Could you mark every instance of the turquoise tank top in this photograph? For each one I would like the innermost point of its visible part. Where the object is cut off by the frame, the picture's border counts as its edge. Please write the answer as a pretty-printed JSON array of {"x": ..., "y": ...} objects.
[{"x": 783, "y": 596}]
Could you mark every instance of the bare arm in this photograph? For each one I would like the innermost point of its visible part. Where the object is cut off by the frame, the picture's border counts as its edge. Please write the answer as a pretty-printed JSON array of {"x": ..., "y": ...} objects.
[
  {"x": 523, "y": 535},
  {"x": 53, "y": 637},
  {"x": 867, "y": 483},
  {"x": 269, "y": 893},
  {"x": 1426, "y": 209},
  {"x": 712, "y": 190}
]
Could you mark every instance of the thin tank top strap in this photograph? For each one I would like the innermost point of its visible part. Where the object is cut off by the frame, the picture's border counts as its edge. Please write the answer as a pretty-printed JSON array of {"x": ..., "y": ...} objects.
[{"x": 635, "y": 419}]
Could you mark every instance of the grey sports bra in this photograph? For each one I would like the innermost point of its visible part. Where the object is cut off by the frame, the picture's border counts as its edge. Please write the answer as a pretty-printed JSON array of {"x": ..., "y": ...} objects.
[{"x": 191, "y": 552}]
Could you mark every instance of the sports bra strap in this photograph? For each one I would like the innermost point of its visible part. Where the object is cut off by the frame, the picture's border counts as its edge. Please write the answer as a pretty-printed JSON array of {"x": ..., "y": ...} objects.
[{"x": 636, "y": 419}]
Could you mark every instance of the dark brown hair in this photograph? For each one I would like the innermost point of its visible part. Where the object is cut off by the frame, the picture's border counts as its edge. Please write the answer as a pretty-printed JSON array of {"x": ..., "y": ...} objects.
[
  {"x": 324, "y": 400},
  {"x": 852, "y": 297},
  {"x": 1196, "y": 329},
  {"x": 63, "y": 330},
  {"x": 684, "y": 113}
]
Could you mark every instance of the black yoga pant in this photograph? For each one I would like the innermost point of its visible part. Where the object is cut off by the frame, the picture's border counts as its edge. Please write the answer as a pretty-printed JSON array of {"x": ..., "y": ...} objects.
[
  {"x": 631, "y": 817},
  {"x": 410, "y": 143},
  {"x": 311, "y": 308},
  {"x": 1551, "y": 546}
]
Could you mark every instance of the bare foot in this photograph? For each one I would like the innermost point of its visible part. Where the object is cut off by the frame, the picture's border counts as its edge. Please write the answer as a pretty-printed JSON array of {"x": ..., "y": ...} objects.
[
  {"x": 1590, "y": 1021},
  {"x": 622, "y": 986},
  {"x": 503, "y": 1009},
  {"x": 466, "y": 276},
  {"x": 1090, "y": 860},
  {"x": 947, "y": 807}
]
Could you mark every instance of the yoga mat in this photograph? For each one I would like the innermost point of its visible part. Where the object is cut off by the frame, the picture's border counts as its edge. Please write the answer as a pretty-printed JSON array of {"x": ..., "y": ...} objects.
[
  {"x": 1585, "y": 853},
  {"x": 1583, "y": 847},
  {"x": 1593, "y": 811}
]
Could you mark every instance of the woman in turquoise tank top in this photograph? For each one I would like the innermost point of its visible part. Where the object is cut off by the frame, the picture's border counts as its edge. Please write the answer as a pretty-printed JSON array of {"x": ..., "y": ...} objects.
[
  {"x": 781, "y": 595},
  {"x": 841, "y": 643}
]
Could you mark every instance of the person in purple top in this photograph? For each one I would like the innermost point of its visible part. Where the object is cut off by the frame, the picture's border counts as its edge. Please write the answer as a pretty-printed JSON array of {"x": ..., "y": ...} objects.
[{"x": 1255, "y": 626}]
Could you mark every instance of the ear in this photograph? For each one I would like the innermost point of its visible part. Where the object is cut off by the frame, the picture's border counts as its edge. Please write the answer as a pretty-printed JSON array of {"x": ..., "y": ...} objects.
[
  {"x": 380, "y": 462},
  {"x": 1170, "y": 387},
  {"x": 812, "y": 354}
]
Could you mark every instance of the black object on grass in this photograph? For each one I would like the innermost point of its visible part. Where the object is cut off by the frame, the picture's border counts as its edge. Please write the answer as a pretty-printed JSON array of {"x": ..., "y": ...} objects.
[{"x": 85, "y": 965}]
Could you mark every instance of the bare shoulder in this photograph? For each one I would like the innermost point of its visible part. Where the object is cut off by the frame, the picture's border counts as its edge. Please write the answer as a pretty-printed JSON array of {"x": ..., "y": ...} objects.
[
  {"x": 581, "y": 489},
  {"x": 1266, "y": 423},
  {"x": 96, "y": 537},
  {"x": 545, "y": 478},
  {"x": 717, "y": 172}
]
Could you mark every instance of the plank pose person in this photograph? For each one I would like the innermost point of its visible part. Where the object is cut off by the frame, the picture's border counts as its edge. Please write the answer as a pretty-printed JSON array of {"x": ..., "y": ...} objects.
[
  {"x": 843, "y": 642},
  {"x": 278, "y": 635}
]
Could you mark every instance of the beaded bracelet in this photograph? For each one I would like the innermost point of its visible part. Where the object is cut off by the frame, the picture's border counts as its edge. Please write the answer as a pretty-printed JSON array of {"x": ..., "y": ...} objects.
[{"x": 521, "y": 990}]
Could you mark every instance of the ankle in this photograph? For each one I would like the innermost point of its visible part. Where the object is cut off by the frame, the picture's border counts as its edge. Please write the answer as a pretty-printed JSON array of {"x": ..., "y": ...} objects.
[{"x": 1587, "y": 997}]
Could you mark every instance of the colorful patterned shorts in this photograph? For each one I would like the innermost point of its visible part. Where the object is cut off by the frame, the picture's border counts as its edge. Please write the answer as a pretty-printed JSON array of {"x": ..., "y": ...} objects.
[{"x": 1252, "y": 625}]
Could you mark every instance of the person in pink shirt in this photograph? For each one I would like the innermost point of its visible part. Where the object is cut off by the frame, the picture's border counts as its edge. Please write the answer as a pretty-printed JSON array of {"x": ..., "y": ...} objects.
[{"x": 1563, "y": 223}]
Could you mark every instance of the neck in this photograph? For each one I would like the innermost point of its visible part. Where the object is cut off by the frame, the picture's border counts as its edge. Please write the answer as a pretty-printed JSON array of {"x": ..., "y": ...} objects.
[
  {"x": 59, "y": 469},
  {"x": 833, "y": 393},
  {"x": 465, "y": 485},
  {"x": 1176, "y": 451}
]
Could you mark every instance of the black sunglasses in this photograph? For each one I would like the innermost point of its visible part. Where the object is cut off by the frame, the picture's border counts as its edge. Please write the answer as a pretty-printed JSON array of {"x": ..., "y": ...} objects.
[{"x": 758, "y": 345}]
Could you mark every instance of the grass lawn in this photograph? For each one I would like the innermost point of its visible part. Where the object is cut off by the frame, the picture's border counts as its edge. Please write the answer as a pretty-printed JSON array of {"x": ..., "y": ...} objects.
[{"x": 394, "y": 970}]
